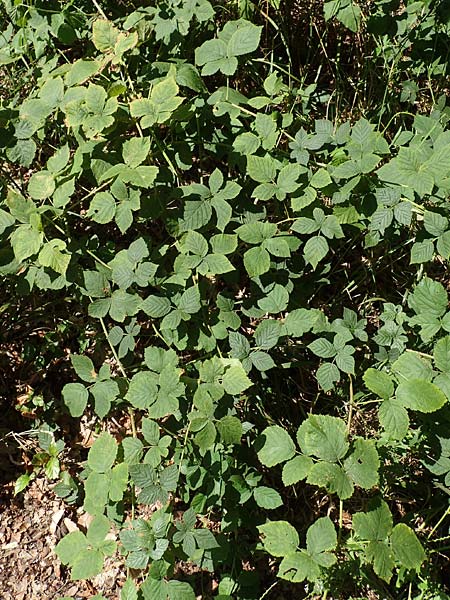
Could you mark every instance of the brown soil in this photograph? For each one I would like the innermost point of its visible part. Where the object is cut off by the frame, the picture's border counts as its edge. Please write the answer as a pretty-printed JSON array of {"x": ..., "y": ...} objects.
[{"x": 30, "y": 527}]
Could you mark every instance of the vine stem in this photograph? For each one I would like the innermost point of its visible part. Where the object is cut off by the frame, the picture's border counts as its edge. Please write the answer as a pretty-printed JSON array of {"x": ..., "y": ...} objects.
[
  {"x": 349, "y": 424},
  {"x": 99, "y": 8},
  {"x": 188, "y": 428},
  {"x": 122, "y": 370},
  {"x": 350, "y": 409},
  {"x": 447, "y": 512},
  {"x": 130, "y": 410},
  {"x": 269, "y": 590}
]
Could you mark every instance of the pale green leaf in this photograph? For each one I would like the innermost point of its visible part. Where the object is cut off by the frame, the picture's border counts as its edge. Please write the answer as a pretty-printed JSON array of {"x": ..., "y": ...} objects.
[
  {"x": 420, "y": 395},
  {"x": 280, "y": 538},
  {"x": 276, "y": 446},
  {"x": 102, "y": 453}
]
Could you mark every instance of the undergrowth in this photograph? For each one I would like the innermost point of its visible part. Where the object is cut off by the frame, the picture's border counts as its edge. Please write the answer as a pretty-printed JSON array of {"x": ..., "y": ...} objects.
[{"x": 224, "y": 252}]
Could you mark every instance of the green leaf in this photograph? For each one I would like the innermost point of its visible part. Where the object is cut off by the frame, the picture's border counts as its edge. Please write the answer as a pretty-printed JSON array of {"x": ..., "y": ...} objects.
[
  {"x": 244, "y": 40},
  {"x": 224, "y": 243},
  {"x": 26, "y": 242},
  {"x": 422, "y": 252},
  {"x": 104, "y": 35},
  {"x": 215, "y": 264},
  {"x": 374, "y": 525},
  {"x": 262, "y": 169},
  {"x": 327, "y": 375},
  {"x": 411, "y": 366},
  {"x": 267, "y": 334},
  {"x": 266, "y": 497},
  {"x": 441, "y": 354},
  {"x": 96, "y": 489},
  {"x": 277, "y": 446},
  {"x": 70, "y": 546},
  {"x": 128, "y": 591},
  {"x": 51, "y": 255},
  {"x": 135, "y": 151},
  {"x": 142, "y": 391},
  {"x": 408, "y": 551},
  {"x": 98, "y": 530},
  {"x": 158, "y": 108},
  {"x": 83, "y": 367},
  {"x": 321, "y": 536},
  {"x": 429, "y": 297},
  {"x": 6, "y": 220},
  {"x": 299, "y": 321},
  {"x": 230, "y": 430},
  {"x": 394, "y": 418},
  {"x": 156, "y": 306},
  {"x": 180, "y": 590},
  {"x": 104, "y": 393},
  {"x": 256, "y": 261},
  {"x": 22, "y": 482},
  {"x": 315, "y": 249},
  {"x": 23, "y": 152},
  {"x": 87, "y": 564},
  {"x": 298, "y": 566},
  {"x": 213, "y": 55},
  {"x": 323, "y": 348},
  {"x": 205, "y": 539},
  {"x": 332, "y": 477},
  {"x": 296, "y": 469},
  {"x": 41, "y": 185},
  {"x": 363, "y": 463},
  {"x": 379, "y": 383},
  {"x": 323, "y": 436},
  {"x": 102, "y": 208},
  {"x": 276, "y": 300},
  {"x": 380, "y": 554},
  {"x": 102, "y": 453},
  {"x": 420, "y": 395},
  {"x": 118, "y": 482},
  {"x": 190, "y": 300},
  {"x": 75, "y": 397},
  {"x": 262, "y": 360},
  {"x": 81, "y": 70},
  {"x": 235, "y": 380},
  {"x": 280, "y": 538}
]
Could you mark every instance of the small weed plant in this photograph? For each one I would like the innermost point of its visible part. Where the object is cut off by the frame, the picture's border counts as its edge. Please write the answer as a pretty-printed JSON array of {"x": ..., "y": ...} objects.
[{"x": 224, "y": 250}]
